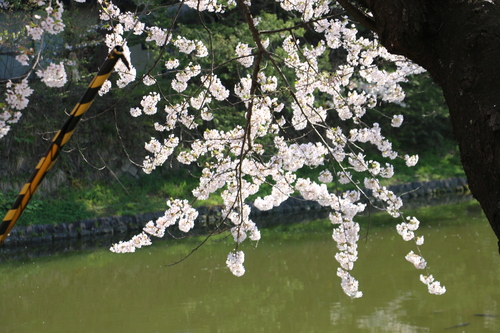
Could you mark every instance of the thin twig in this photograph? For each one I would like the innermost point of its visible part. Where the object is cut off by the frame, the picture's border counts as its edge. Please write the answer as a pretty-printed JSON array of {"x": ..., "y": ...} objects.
[{"x": 113, "y": 174}]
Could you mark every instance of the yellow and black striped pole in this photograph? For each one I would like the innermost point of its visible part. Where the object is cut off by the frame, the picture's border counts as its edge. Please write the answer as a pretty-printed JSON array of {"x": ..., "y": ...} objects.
[{"x": 59, "y": 140}]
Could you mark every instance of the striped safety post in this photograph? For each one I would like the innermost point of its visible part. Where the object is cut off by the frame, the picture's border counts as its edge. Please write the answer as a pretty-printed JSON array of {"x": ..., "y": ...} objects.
[{"x": 59, "y": 140}]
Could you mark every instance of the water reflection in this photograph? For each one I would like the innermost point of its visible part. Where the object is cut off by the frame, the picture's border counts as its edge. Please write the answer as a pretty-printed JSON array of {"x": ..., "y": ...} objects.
[{"x": 290, "y": 284}]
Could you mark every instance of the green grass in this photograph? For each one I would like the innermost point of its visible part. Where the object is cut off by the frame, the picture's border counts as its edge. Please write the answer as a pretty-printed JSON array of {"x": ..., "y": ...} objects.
[{"x": 84, "y": 200}]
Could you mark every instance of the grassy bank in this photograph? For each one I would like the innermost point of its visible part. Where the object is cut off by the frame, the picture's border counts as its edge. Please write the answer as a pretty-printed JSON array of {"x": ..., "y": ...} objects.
[{"x": 128, "y": 195}]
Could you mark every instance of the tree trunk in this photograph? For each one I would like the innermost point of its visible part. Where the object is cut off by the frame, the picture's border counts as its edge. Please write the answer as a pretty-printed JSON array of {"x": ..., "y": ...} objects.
[{"x": 458, "y": 42}]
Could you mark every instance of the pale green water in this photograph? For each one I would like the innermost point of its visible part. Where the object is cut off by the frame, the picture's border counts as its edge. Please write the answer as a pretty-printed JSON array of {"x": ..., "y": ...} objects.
[{"x": 290, "y": 285}]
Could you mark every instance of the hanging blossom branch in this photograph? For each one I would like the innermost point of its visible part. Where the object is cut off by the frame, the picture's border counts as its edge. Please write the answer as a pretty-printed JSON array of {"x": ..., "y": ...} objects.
[
  {"x": 232, "y": 151},
  {"x": 17, "y": 92},
  {"x": 284, "y": 86},
  {"x": 241, "y": 164}
]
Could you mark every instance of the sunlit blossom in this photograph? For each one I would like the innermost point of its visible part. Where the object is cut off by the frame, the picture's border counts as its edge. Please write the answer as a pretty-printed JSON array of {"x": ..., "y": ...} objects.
[
  {"x": 235, "y": 262},
  {"x": 54, "y": 75},
  {"x": 411, "y": 160},
  {"x": 416, "y": 260},
  {"x": 397, "y": 120},
  {"x": 433, "y": 286}
]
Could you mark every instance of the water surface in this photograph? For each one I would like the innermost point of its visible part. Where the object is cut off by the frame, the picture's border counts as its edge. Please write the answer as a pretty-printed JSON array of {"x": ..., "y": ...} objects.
[{"x": 290, "y": 284}]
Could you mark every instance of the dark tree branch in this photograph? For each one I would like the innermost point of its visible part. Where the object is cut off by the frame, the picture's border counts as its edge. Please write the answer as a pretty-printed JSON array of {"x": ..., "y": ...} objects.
[{"x": 358, "y": 15}]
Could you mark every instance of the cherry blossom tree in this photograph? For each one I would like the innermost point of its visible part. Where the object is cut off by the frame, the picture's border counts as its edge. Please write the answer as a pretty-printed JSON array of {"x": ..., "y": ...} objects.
[{"x": 296, "y": 110}]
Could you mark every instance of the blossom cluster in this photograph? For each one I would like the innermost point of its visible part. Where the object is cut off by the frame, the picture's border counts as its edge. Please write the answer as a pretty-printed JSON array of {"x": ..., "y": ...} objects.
[
  {"x": 158, "y": 35},
  {"x": 23, "y": 59},
  {"x": 346, "y": 235},
  {"x": 17, "y": 94},
  {"x": 289, "y": 91},
  {"x": 434, "y": 287},
  {"x": 235, "y": 263},
  {"x": 179, "y": 212},
  {"x": 54, "y": 75},
  {"x": 245, "y": 53},
  {"x": 180, "y": 82},
  {"x": 206, "y": 5},
  {"x": 161, "y": 152},
  {"x": 52, "y": 23},
  {"x": 16, "y": 99},
  {"x": 406, "y": 230},
  {"x": 188, "y": 46},
  {"x": 130, "y": 246}
]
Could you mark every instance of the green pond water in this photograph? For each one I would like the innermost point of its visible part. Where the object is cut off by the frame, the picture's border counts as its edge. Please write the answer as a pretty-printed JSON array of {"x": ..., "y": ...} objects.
[{"x": 290, "y": 283}]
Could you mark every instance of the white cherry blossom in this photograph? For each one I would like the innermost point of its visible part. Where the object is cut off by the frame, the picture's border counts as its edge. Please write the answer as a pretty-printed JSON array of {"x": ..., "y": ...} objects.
[{"x": 54, "y": 75}]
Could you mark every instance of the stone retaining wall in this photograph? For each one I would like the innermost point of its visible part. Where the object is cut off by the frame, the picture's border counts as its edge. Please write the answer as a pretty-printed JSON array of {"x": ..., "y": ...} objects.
[{"x": 119, "y": 227}]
